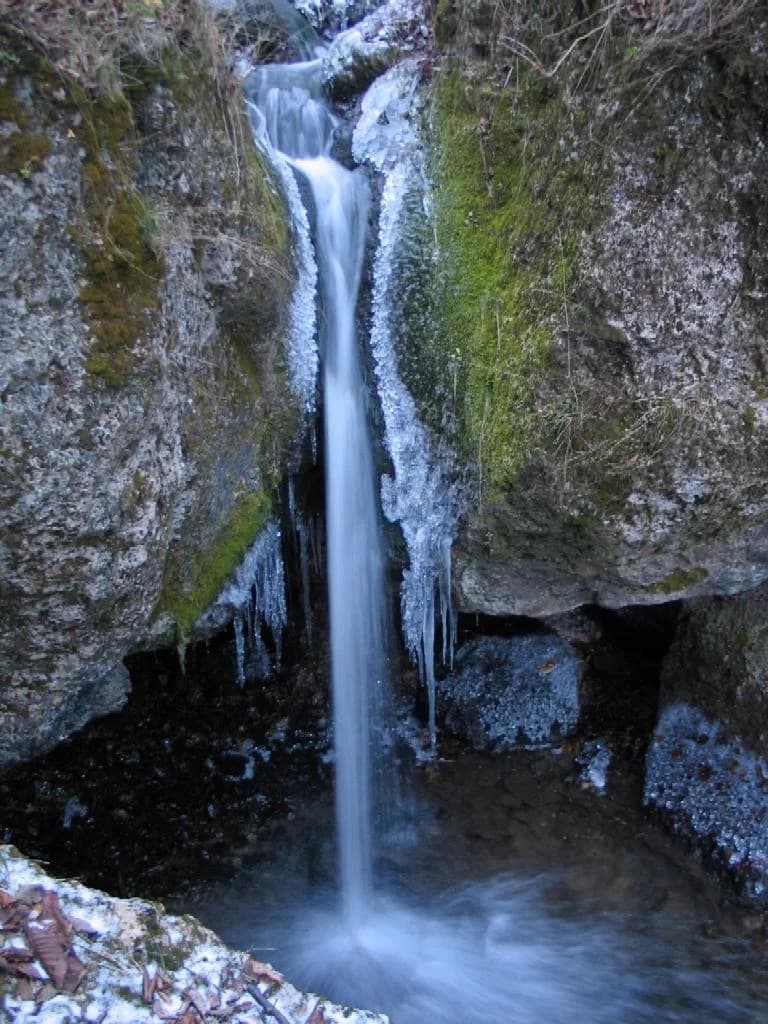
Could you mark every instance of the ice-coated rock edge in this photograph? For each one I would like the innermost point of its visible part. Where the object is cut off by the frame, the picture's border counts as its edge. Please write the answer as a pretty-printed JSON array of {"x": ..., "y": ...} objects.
[
  {"x": 714, "y": 786},
  {"x": 418, "y": 495},
  {"x": 135, "y": 939}
]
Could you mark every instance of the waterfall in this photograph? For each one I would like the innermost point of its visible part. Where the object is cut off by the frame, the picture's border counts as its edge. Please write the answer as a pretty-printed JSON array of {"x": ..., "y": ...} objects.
[{"x": 301, "y": 128}]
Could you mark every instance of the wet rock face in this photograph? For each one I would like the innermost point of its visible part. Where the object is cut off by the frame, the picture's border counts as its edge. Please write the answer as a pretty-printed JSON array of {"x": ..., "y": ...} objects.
[
  {"x": 718, "y": 663},
  {"x": 141, "y": 305},
  {"x": 511, "y": 692}
]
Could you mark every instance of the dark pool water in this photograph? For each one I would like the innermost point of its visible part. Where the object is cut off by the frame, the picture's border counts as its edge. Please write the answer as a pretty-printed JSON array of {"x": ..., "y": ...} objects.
[{"x": 509, "y": 892}]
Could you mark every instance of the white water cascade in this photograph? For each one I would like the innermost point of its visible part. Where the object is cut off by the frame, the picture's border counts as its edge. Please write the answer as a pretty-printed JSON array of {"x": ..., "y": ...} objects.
[{"x": 300, "y": 126}]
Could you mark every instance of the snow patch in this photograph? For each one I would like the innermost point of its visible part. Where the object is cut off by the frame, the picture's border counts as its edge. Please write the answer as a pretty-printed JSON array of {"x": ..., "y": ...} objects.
[{"x": 130, "y": 954}]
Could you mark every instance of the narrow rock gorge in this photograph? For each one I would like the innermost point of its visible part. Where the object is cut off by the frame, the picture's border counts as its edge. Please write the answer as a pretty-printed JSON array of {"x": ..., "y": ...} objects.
[{"x": 472, "y": 524}]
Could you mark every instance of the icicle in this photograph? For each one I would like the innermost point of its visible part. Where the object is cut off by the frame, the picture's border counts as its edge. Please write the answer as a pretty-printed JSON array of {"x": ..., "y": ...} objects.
[
  {"x": 304, "y": 556},
  {"x": 255, "y": 596},
  {"x": 428, "y": 647},
  {"x": 239, "y": 649}
]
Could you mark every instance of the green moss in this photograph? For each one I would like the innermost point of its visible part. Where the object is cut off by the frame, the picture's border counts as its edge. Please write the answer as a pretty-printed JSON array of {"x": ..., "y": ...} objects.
[
  {"x": 186, "y": 603},
  {"x": 124, "y": 273},
  {"x": 508, "y": 215},
  {"x": 23, "y": 153},
  {"x": 123, "y": 270},
  {"x": 445, "y": 21},
  {"x": 273, "y": 216},
  {"x": 680, "y": 579},
  {"x": 11, "y": 109}
]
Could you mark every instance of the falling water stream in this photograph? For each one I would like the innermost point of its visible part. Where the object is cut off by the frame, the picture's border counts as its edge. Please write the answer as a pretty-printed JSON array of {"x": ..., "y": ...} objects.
[
  {"x": 300, "y": 126},
  {"x": 490, "y": 952}
]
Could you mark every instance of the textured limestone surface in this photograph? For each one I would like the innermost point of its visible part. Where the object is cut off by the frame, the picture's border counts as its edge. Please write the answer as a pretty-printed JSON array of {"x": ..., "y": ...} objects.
[
  {"x": 144, "y": 272},
  {"x": 718, "y": 662},
  {"x": 509, "y": 692}
]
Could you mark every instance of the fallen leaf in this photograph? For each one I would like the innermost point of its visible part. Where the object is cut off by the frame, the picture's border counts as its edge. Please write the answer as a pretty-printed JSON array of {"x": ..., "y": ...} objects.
[
  {"x": 24, "y": 989},
  {"x": 52, "y": 910},
  {"x": 50, "y": 946},
  {"x": 17, "y": 955},
  {"x": 48, "y": 991},
  {"x": 317, "y": 1016},
  {"x": 148, "y": 983},
  {"x": 258, "y": 971},
  {"x": 28, "y": 971},
  {"x": 196, "y": 1000},
  {"x": 74, "y": 973},
  {"x": 13, "y": 916},
  {"x": 83, "y": 927}
]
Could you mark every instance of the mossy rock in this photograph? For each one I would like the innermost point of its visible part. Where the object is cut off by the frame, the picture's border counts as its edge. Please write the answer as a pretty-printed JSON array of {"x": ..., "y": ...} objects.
[
  {"x": 186, "y": 600},
  {"x": 509, "y": 216}
]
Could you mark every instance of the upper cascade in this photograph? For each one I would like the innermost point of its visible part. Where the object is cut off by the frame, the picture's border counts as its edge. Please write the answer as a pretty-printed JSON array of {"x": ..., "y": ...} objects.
[
  {"x": 296, "y": 126},
  {"x": 293, "y": 121}
]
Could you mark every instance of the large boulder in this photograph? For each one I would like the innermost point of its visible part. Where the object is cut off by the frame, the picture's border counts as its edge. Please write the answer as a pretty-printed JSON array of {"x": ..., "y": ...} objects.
[
  {"x": 707, "y": 767},
  {"x": 509, "y": 692},
  {"x": 590, "y": 324},
  {"x": 144, "y": 278}
]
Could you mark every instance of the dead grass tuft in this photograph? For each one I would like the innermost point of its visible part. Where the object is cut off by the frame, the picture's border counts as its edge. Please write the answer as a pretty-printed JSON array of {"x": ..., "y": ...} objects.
[{"x": 95, "y": 42}]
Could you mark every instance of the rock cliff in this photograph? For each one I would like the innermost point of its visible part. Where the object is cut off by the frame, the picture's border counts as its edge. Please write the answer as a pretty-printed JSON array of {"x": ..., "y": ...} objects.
[
  {"x": 598, "y": 334},
  {"x": 145, "y": 276}
]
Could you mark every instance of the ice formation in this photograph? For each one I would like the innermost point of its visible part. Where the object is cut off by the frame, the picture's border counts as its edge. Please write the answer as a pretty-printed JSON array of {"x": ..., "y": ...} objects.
[
  {"x": 254, "y": 597},
  {"x": 595, "y": 759},
  {"x": 418, "y": 495},
  {"x": 302, "y": 354},
  {"x": 713, "y": 785},
  {"x": 333, "y": 14},
  {"x": 307, "y": 545},
  {"x": 388, "y": 33}
]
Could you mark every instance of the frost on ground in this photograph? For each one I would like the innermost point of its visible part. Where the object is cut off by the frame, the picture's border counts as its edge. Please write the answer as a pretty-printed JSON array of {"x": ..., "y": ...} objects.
[
  {"x": 714, "y": 787},
  {"x": 71, "y": 954}
]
